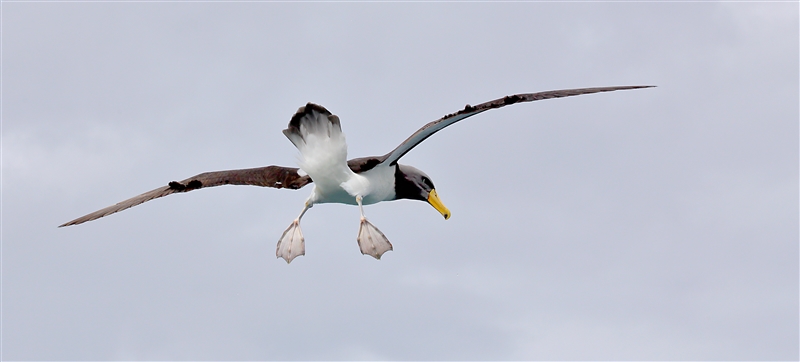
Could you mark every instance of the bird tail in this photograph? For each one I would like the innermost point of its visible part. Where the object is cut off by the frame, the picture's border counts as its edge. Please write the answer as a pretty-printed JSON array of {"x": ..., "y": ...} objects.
[
  {"x": 318, "y": 136},
  {"x": 312, "y": 120}
]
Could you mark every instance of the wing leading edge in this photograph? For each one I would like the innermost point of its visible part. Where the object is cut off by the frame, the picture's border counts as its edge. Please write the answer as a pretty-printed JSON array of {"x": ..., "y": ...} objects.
[{"x": 469, "y": 111}]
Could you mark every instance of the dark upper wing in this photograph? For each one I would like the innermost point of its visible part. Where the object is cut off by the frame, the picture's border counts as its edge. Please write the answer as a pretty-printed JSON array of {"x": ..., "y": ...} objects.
[
  {"x": 364, "y": 164},
  {"x": 270, "y": 176},
  {"x": 469, "y": 111}
]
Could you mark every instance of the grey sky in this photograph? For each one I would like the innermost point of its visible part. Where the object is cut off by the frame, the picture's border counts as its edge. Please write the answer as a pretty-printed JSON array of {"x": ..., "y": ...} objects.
[{"x": 647, "y": 224}]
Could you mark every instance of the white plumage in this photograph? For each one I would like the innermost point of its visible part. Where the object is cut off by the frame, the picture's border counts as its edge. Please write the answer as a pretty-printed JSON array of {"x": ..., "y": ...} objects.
[{"x": 323, "y": 156}]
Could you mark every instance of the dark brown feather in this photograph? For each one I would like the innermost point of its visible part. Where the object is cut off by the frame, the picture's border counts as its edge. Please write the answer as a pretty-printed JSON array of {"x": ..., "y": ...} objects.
[
  {"x": 270, "y": 176},
  {"x": 364, "y": 164},
  {"x": 303, "y": 114}
]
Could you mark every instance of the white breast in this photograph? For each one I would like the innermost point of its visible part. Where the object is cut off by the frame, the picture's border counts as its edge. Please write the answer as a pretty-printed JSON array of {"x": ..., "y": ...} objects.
[{"x": 376, "y": 184}]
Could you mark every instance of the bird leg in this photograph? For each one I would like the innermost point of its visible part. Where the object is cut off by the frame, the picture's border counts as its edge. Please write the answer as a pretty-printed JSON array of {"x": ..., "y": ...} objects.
[
  {"x": 370, "y": 239},
  {"x": 292, "y": 244}
]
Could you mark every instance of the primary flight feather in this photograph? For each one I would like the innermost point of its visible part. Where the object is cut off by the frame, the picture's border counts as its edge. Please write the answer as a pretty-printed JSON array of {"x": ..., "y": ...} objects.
[{"x": 318, "y": 136}]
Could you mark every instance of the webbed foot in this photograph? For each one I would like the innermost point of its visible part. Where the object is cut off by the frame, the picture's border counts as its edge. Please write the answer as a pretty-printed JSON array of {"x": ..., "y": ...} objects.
[
  {"x": 371, "y": 240},
  {"x": 291, "y": 244}
]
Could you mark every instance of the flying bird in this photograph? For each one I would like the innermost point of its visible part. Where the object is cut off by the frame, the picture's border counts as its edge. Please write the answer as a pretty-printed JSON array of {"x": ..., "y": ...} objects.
[{"x": 318, "y": 136}]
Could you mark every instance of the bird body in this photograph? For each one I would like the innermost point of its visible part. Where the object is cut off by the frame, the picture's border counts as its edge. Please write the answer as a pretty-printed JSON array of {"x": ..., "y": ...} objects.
[
  {"x": 323, "y": 156},
  {"x": 318, "y": 136},
  {"x": 374, "y": 186}
]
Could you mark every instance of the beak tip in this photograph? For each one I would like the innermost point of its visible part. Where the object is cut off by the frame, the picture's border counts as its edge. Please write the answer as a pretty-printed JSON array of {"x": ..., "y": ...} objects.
[{"x": 433, "y": 199}]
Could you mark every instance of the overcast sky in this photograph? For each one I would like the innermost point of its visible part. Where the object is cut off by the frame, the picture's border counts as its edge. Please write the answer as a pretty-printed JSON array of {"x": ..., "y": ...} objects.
[{"x": 646, "y": 224}]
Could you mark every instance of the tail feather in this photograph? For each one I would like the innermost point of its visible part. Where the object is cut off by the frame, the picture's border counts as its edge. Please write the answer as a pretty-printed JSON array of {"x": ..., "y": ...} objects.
[
  {"x": 311, "y": 119},
  {"x": 318, "y": 136}
]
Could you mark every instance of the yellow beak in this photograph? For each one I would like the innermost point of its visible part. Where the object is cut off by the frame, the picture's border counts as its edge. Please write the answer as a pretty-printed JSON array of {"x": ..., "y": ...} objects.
[{"x": 437, "y": 204}]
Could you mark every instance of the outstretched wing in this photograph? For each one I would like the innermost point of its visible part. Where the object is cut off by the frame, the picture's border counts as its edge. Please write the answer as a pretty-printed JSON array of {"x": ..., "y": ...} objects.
[
  {"x": 469, "y": 111},
  {"x": 270, "y": 176}
]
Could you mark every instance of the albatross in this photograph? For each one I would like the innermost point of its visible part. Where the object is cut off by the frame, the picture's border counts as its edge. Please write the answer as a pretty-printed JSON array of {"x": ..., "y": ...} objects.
[{"x": 318, "y": 136}]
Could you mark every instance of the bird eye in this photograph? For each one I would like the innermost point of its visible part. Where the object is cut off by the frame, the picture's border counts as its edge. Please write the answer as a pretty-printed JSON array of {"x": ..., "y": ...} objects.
[{"x": 427, "y": 182}]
